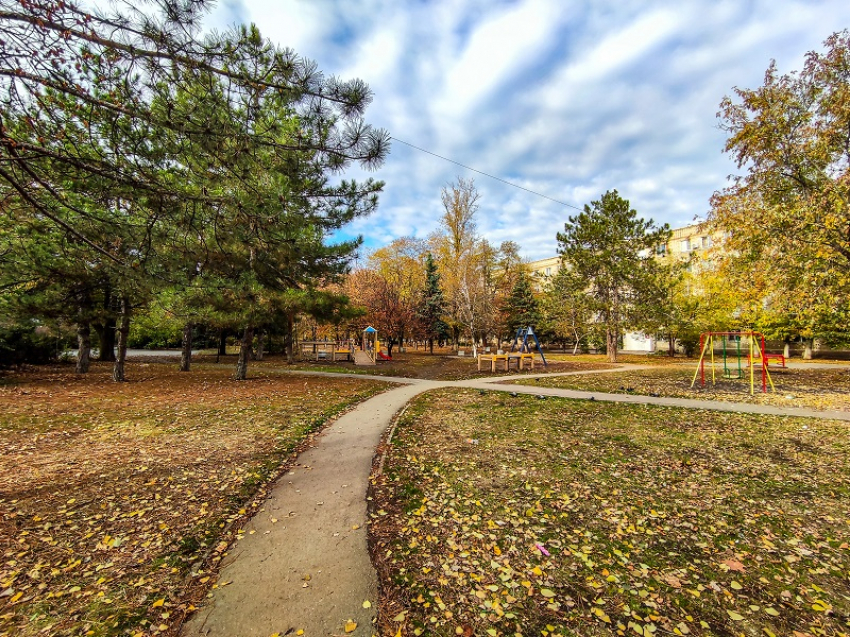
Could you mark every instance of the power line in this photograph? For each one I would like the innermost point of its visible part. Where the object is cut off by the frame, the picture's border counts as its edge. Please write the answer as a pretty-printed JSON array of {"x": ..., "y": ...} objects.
[{"x": 481, "y": 172}]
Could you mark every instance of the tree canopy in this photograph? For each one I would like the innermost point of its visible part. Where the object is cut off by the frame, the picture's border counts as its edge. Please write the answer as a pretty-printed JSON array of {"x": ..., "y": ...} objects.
[
  {"x": 787, "y": 217},
  {"x": 135, "y": 151},
  {"x": 609, "y": 251}
]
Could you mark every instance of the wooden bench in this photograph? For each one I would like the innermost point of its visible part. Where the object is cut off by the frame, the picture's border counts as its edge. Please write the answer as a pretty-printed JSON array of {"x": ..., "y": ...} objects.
[
  {"x": 518, "y": 359},
  {"x": 522, "y": 358},
  {"x": 493, "y": 359}
]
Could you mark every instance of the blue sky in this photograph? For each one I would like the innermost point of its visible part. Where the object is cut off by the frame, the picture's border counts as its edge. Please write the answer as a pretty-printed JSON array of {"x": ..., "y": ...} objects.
[{"x": 565, "y": 98}]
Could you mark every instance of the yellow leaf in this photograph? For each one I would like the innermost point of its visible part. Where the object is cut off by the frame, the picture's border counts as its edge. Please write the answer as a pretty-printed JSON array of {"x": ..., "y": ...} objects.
[
  {"x": 735, "y": 585},
  {"x": 158, "y": 603},
  {"x": 735, "y": 616},
  {"x": 275, "y": 635},
  {"x": 350, "y": 626},
  {"x": 16, "y": 597},
  {"x": 546, "y": 592},
  {"x": 772, "y": 611},
  {"x": 367, "y": 604}
]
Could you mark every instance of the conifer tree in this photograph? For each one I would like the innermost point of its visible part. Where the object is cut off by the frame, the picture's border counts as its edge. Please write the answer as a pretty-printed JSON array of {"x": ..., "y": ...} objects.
[
  {"x": 521, "y": 307},
  {"x": 433, "y": 307},
  {"x": 609, "y": 250}
]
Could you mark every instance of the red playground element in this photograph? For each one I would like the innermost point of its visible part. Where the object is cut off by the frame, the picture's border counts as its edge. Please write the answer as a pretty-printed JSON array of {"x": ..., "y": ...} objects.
[
  {"x": 384, "y": 357},
  {"x": 754, "y": 353}
]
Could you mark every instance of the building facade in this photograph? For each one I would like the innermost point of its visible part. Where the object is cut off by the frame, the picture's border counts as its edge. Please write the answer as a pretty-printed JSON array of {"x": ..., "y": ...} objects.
[{"x": 684, "y": 243}]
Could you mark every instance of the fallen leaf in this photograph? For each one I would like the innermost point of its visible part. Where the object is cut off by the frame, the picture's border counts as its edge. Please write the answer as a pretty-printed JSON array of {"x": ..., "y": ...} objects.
[{"x": 350, "y": 625}]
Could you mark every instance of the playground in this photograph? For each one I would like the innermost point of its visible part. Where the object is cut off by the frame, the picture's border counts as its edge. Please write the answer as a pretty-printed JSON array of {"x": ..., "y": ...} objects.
[
  {"x": 195, "y": 470},
  {"x": 732, "y": 367}
]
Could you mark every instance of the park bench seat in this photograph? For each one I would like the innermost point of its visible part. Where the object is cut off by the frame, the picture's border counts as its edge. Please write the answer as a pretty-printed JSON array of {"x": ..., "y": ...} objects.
[{"x": 519, "y": 359}]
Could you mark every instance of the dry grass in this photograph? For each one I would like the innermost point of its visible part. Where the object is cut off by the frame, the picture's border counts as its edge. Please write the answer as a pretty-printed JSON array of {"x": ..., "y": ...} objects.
[
  {"x": 118, "y": 500},
  {"x": 827, "y": 389},
  {"x": 516, "y": 516},
  {"x": 445, "y": 366}
]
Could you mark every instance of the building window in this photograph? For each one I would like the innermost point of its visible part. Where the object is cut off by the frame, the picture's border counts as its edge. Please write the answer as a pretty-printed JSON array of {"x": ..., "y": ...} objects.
[
  {"x": 548, "y": 271},
  {"x": 706, "y": 243},
  {"x": 661, "y": 250},
  {"x": 685, "y": 245}
]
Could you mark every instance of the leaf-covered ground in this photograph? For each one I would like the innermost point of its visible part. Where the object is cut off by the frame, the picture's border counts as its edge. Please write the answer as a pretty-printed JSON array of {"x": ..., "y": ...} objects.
[
  {"x": 813, "y": 388},
  {"x": 118, "y": 500},
  {"x": 444, "y": 365},
  {"x": 517, "y": 516}
]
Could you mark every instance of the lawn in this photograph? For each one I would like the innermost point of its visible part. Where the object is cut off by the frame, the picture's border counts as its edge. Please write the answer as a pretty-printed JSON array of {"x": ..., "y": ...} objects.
[
  {"x": 500, "y": 515},
  {"x": 446, "y": 366},
  {"x": 118, "y": 500},
  {"x": 798, "y": 387}
]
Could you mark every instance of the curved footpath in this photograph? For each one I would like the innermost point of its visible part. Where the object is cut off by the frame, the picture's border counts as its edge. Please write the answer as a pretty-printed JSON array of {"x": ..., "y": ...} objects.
[{"x": 303, "y": 563}]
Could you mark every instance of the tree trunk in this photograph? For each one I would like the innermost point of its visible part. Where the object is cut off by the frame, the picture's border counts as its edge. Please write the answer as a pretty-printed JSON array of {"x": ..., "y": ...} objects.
[
  {"x": 431, "y": 344},
  {"x": 244, "y": 353},
  {"x": 107, "y": 330},
  {"x": 786, "y": 351},
  {"x": 222, "y": 343},
  {"x": 186, "y": 353},
  {"x": 671, "y": 345},
  {"x": 259, "y": 352},
  {"x": 288, "y": 337},
  {"x": 106, "y": 336},
  {"x": 123, "y": 331},
  {"x": 611, "y": 344},
  {"x": 807, "y": 352},
  {"x": 83, "y": 347}
]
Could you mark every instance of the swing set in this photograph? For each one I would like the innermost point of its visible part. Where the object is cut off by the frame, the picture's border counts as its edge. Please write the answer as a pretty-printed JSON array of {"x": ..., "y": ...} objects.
[{"x": 734, "y": 356}]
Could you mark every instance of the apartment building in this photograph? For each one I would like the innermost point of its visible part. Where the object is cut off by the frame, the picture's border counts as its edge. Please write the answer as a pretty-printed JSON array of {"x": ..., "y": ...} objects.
[{"x": 684, "y": 243}]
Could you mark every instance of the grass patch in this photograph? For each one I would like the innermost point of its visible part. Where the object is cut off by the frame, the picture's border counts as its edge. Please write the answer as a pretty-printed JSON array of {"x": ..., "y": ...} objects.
[
  {"x": 827, "y": 389},
  {"x": 441, "y": 366},
  {"x": 118, "y": 500},
  {"x": 516, "y": 516}
]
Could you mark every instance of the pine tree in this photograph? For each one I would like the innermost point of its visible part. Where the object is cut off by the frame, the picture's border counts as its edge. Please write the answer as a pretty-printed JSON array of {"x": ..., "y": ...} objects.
[
  {"x": 521, "y": 308},
  {"x": 610, "y": 251},
  {"x": 433, "y": 305}
]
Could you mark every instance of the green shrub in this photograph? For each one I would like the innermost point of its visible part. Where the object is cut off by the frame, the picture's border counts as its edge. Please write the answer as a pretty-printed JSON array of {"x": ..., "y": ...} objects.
[{"x": 25, "y": 343}]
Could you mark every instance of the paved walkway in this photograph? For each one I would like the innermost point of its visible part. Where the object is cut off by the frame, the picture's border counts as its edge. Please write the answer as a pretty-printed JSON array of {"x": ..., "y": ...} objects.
[{"x": 303, "y": 563}]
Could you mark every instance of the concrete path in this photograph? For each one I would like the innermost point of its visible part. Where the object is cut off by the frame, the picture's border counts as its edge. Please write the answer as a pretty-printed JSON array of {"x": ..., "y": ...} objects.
[
  {"x": 306, "y": 566},
  {"x": 303, "y": 563}
]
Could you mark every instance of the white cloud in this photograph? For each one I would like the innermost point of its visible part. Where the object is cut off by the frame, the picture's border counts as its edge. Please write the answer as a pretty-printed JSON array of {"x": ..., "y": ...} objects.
[{"x": 566, "y": 99}]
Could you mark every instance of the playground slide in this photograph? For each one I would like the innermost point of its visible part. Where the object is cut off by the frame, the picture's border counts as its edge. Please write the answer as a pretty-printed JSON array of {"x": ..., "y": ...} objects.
[{"x": 384, "y": 357}]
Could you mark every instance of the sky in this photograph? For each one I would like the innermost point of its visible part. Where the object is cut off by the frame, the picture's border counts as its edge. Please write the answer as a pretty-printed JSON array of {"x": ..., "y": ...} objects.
[{"x": 565, "y": 98}]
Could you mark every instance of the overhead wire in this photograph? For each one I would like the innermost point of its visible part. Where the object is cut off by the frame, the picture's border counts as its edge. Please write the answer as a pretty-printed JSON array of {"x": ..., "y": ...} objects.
[{"x": 481, "y": 172}]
